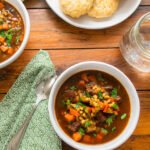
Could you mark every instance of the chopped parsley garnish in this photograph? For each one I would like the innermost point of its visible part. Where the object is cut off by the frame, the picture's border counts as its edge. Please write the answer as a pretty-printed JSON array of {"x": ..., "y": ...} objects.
[
  {"x": 114, "y": 93},
  {"x": 70, "y": 122},
  {"x": 109, "y": 120},
  {"x": 80, "y": 99},
  {"x": 87, "y": 94},
  {"x": 8, "y": 35},
  {"x": 68, "y": 101},
  {"x": 2, "y": 33},
  {"x": 94, "y": 134},
  {"x": 113, "y": 129},
  {"x": 9, "y": 39},
  {"x": 104, "y": 131},
  {"x": 100, "y": 95},
  {"x": 123, "y": 116},
  {"x": 81, "y": 131},
  {"x": 17, "y": 39},
  {"x": 87, "y": 124},
  {"x": 100, "y": 78},
  {"x": 73, "y": 88},
  {"x": 115, "y": 106},
  {"x": 78, "y": 104},
  {"x": 64, "y": 103}
]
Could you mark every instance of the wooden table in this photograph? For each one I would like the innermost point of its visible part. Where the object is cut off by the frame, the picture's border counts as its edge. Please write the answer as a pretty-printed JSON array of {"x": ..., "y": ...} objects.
[{"x": 68, "y": 45}]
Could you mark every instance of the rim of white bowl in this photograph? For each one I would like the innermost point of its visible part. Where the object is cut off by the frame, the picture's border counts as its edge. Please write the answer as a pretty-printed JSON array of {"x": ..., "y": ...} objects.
[
  {"x": 26, "y": 21},
  {"x": 128, "y": 14},
  {"x": 126, "y": 133}
]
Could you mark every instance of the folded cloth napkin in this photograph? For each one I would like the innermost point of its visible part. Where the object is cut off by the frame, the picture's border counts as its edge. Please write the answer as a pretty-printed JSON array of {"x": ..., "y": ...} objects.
[{"x": 17, "y": 104}]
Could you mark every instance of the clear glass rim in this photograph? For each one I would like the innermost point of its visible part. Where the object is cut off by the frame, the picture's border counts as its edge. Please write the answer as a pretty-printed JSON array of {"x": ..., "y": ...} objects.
[{"x": 137, "y": 33}]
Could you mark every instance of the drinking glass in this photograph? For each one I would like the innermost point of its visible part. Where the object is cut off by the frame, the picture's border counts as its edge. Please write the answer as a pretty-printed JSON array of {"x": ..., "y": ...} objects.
[{"x": 135, "y": 44}]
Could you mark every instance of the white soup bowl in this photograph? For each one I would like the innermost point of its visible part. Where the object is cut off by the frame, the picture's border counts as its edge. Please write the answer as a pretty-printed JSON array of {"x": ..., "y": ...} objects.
[{"x": 122, "y": 78}]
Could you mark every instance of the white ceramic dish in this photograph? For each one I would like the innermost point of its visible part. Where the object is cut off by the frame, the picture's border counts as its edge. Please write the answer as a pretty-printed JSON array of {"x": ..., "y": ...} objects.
[
  {"x": 126, "y": 8},
  {"x": 23, "y": 11},
  {"x": 134, "y": 101}
]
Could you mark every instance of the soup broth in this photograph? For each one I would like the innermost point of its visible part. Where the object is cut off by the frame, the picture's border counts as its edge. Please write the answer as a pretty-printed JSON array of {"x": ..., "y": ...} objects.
[{"x": 92, "y": 107}]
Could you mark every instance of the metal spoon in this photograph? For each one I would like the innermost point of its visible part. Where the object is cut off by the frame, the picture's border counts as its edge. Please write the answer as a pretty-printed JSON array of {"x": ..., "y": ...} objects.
[{"x": 42, "y": 93}]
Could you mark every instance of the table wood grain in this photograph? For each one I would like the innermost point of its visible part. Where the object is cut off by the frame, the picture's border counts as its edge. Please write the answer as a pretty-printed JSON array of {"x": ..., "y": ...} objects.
[{"x": 68, "y": 45}]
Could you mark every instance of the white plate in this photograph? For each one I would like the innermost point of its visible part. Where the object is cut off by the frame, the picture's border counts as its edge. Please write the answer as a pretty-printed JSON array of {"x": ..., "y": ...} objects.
[{"x": 126, "y": 8}]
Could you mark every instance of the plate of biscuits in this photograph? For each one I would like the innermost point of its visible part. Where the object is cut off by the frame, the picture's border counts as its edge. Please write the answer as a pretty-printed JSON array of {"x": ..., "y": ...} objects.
[{"x": 94, "y": 14}]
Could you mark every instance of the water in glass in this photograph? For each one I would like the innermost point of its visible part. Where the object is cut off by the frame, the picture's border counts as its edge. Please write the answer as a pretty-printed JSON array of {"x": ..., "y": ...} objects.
[{"x": 135, "y": 45}]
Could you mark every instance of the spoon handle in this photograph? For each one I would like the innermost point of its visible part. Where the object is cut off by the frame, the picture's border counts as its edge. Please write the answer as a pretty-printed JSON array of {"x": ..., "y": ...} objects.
[
  {"x": 42, "y": 91},
  {"x": 17, "y": 138}
]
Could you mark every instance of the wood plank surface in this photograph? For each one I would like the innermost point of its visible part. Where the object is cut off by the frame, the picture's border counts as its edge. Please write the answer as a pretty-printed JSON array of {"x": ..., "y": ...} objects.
[
  {"x": 50, "y": 32},
  {"x": 42, "y": 3},
  {"x": 145, "y": 2},
  {"x": 65, "y": 58},
  {"x": 68, "y": 45}
]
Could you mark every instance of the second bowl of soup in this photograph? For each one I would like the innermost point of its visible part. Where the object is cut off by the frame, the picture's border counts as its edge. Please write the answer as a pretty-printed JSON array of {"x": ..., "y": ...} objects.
[
  {"x": 14, "y": 30},
  {"x": 93, "y": 105}
]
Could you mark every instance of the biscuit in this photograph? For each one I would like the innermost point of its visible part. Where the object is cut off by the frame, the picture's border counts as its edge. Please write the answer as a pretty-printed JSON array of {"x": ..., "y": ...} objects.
[
  {"x": 76, "y": 8},
  {"x": 103, "y": 8}
]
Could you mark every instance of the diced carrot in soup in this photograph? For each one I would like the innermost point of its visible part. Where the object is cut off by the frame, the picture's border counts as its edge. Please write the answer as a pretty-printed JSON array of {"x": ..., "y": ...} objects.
[
  {"x": 77, "y": 136},
  {"x": 99, "y": 137},
  {"x": 3, "y": 48},
  {"x": 74, "y": 112},
  {"x": 87, "y": 138},
  {"x": 89, "y": 109},
  {"x": 94, "y": 109},
  {"x": 92, "y": 78},
  {"x": 69, "y": 117},
  {"x": 10, "y": 51},
  {"x": 81, "y": 83},
  {"x": 5, "y": 26},
  {"x": 2, "y": 39},
  {"x": 106, "y": 108},
  {"x": 84, "y": 77},
  {"x": 1, "y": 5},
  {"x": 1, "y": 27}
]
